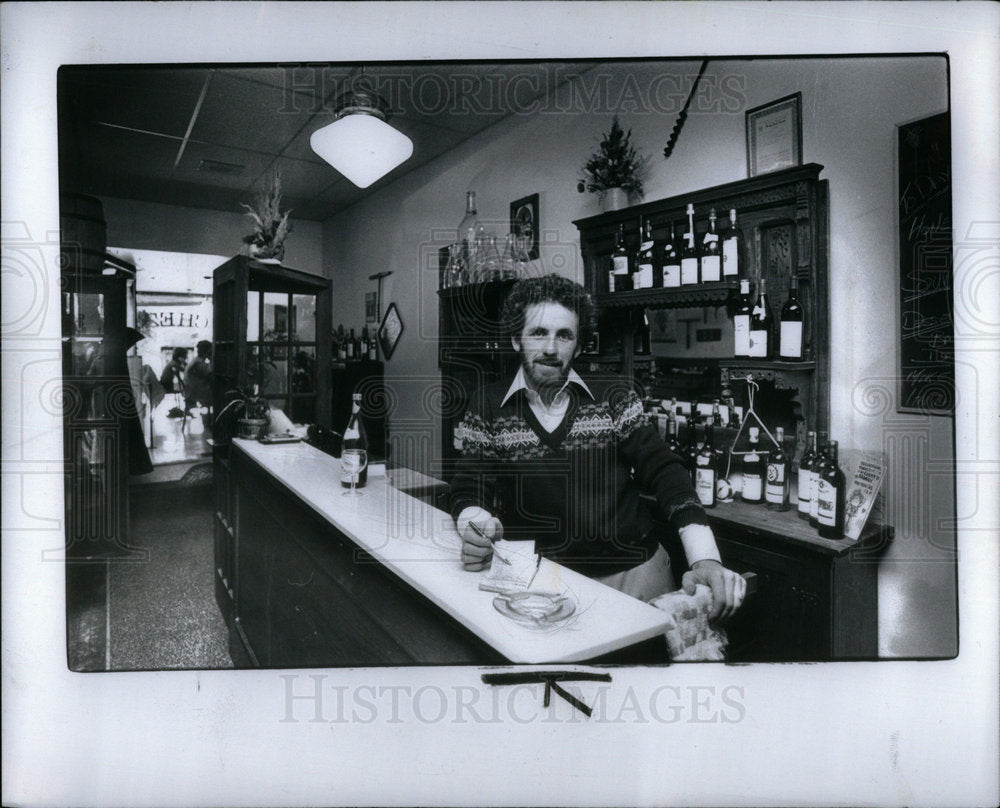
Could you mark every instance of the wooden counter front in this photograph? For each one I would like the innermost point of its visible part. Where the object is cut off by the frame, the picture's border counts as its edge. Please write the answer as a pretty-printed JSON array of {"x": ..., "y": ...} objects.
[{"x": 321, "y": 580}]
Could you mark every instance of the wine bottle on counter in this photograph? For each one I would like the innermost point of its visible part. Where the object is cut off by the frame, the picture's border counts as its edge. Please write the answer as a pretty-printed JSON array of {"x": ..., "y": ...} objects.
[
  {"x": 761, "y": 325},
  {"x": 355, "y": 438},
  {"x": 645, "y": 257},
  {"x": 819, "y": 464},
  {"x": 806, "y": 477},
  {"x": 753, "y": 471},
  {"x": 790, "y": 338},
  {"x": 778, "y": 480},
  {"x": 711, "y": 257},
  {"x": 830, "y": 496},
  {"x": 689, "y": 253},
  {"x": 741, "y": 322},
  {"x": 731, "y": 245},
  {"x": 671, "y": 261},
  {"x": 621, "y": 279},
  {"x": 706, "y": 470}
]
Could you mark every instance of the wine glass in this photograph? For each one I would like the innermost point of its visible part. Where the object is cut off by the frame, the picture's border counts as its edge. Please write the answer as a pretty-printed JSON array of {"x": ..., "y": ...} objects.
[{"x": 353, "y": 462}]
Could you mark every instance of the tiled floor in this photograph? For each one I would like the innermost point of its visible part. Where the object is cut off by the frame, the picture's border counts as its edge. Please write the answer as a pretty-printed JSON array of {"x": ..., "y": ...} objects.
[{"x": 157, "y": 612}]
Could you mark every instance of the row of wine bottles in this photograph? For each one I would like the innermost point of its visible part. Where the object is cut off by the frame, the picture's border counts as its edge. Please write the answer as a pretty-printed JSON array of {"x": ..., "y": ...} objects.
[
  {"x": 347, "y": 347},
  {"x": 677, "y": 262},
  {"x": 754, "y": 332},
  {"x": 766, "y": 475}
]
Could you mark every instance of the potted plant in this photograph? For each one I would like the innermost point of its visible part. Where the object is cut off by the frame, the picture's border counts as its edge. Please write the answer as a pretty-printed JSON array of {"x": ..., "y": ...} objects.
[
  {"x": 270, "y": 225},
  {"x": 250, "y": 411},
  {"x": 614, "y": 170}
]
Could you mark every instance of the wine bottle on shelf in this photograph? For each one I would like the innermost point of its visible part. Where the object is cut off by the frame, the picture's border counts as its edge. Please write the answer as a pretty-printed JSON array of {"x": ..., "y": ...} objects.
[
  {"x": 818, "y": 465},
  {"x": 792, "y": 322},
  {"x": 507, "y": 266},
  {"x": 673, "y": 444},
  {"x": 711, "y": 256},
  {"x": 734, "y": 416},
  {"x": 645, "y": 257},
  {"x": 806, "y": 477},
  {"x": 716, "y": 413},
  {"x": 491, "y": 260},
  {"x": 468, "y": 228},
  {"x": 706, "y": 470},
  {"x": 741, "y": 321},
  {"x": 753, "y": 471},
  {"x": 363, "y": 353},
  {"x": 778, "y": 480},
  {"x": 761, "y": 325},
  {"x": 670, "y": 261},
  {"x": 355, "y": 438},
  {"x": 691, "y": 451},
  {"x": 621, "y": 279},
  {"x": 641, "y": 338},
  {"x": 341, "y": 343},
  {"x": 689, "y": 253},
  {"x": 372, "y": 347},
  {"x": 731, "y": 248},
  {"x": 830, "y": 495}
]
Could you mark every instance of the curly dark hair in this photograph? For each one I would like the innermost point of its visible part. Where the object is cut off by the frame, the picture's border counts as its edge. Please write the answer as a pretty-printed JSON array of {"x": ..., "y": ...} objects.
[{"x": 549, "y": 289}]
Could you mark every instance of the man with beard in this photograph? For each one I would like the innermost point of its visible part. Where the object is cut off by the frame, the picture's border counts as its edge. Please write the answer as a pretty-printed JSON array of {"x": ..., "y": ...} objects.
[{"x": 560, "y": 459}]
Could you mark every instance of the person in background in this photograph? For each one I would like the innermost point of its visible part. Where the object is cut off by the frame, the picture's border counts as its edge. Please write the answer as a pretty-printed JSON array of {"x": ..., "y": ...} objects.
[
  {"x": 560, "y": 459},
  {"x": 198, "y": 380},
  {"x": 172, "y": 379}
]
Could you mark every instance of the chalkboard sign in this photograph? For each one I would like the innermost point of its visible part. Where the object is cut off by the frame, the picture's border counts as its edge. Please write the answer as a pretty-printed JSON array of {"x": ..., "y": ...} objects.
[{"x": 926, "y": 323}]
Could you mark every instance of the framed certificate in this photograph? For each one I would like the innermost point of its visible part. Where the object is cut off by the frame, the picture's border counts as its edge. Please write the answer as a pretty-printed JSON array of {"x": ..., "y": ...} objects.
[{"x": 774, "y": 135}]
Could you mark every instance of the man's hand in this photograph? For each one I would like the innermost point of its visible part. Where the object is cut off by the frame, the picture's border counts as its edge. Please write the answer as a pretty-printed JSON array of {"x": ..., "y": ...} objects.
[
  {"x": 478, "y": 529},
  {"x": 728, "y": 587}
]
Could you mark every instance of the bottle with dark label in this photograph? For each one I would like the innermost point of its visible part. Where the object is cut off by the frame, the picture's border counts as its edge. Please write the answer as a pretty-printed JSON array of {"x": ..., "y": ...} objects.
[
  {"x": 818, "y": 465},
  {"x": 806, "y": 480},
  {"x": 641, "y": 338},
  {"x": 830, "y": 495},
  {"x": 711, "y": 255},
  {"x": 691, "y": 451},
  {"x": 355, "y": 438},
  {"x": 731, "y": 248},
  {"x": 645, "y": 257},
  {"x": 673, "y": 444},
  {"x": 689, "y": 253},
  {"x": 706, "y": 471},
  {"x": 778, "y": 480},
  {"x": 741, "y": 321},
  {"x": 792, "y": 322},
  {"x": 753, "y": 470},
  {"x": 621, "y": 278},
  {"x": 671, "y": 261},
  {"x": 761, "y": 325}
]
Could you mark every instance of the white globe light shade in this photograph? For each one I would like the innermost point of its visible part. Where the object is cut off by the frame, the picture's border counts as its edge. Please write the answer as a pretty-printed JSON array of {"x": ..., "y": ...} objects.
[{"x": 362, "y": 147}]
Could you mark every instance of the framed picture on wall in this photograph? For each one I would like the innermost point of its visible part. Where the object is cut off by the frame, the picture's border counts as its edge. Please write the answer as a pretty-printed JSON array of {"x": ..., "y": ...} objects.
[
  {"x": 524, "y": 224},
  {"x": 774, "y": 135},
  {"x": 371, "y": 307},
  {"x": 390, "y": 331}
]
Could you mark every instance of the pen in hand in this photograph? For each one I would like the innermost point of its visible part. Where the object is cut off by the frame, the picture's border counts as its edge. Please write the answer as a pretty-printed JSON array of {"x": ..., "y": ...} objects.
[{"x": 479, "y": 531}]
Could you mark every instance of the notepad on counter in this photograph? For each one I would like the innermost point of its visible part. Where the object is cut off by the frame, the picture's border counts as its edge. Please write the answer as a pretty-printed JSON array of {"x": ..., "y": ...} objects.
[{"x": 513, "y": 568}]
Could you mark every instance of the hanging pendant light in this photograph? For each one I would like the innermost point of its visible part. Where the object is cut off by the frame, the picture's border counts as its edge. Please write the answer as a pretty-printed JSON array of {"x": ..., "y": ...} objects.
[{"x": 359, "y": 143}]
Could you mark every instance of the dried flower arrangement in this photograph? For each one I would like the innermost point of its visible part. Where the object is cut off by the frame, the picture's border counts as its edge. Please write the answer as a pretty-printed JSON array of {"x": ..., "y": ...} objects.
[
  {"x": 615, "y": 165},
  {"x": 271, "y": 226}
]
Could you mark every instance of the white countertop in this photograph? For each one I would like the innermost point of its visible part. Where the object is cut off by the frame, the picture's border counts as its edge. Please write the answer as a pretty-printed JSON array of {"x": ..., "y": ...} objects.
[{"x": 419, "y": 543}]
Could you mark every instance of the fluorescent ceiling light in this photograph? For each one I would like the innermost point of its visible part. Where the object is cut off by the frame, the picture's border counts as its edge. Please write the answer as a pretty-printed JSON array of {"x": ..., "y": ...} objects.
[{"x": 360, "y": 144}]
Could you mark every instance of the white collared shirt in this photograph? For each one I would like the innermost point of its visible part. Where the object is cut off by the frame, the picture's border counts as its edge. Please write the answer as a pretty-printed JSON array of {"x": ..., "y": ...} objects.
[{"x": 551, "y": 416}]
